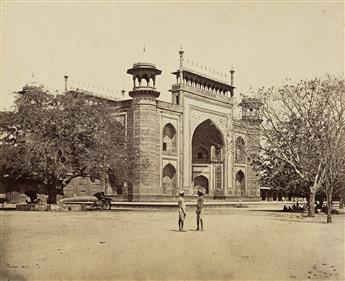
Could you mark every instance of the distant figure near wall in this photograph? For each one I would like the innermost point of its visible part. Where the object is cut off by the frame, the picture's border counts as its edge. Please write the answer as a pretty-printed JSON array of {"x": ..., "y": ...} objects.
[
  {"x": 181, "y": 211},
  {"x": 199, "y": 207}
]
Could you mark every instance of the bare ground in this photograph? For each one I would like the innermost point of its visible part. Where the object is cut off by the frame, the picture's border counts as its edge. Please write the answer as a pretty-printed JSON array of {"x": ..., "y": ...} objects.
[{"x": 116, "y": 245}]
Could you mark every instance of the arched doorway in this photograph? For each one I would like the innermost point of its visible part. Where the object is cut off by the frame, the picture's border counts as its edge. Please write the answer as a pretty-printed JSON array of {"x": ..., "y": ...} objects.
[
  {"x": 240, "y": 183},
  {"x": 201, "y": 182},
  {"x": 169, "y": 180},
  {"x": 207, "y": 156}
]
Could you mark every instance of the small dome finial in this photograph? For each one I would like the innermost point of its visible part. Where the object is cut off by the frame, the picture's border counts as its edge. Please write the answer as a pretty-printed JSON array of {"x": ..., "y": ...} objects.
[
  {"x": 181, "y": 65},
  {"x": 144, "y": 55},
  {"x": 66, "y": 82},
  {"x": 181, "y": 50},
  {"x": 33, "y": 81},
  {"x": 232, "y": 72}
]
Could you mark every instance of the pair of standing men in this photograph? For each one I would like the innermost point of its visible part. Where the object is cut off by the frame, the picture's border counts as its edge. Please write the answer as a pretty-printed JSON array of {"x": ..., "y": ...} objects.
[{"x": 183, "y": 212}]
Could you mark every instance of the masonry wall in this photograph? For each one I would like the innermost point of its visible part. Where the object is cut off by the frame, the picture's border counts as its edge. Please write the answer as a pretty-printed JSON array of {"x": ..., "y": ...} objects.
[
  {"x": 146, "y": 141},
  {"x": 253, "y": 148},
  {"x": 250, "y": 132},
  {"x": 80, "y": 186},
  {"x": 171, "y": 114},
  {"x": 197, "y": 109}
]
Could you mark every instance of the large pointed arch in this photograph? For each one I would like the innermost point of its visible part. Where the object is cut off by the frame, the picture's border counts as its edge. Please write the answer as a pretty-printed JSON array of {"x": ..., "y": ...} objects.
[
  {"x": 197, "y": 117},
  {"x": 207, "y": 137}
]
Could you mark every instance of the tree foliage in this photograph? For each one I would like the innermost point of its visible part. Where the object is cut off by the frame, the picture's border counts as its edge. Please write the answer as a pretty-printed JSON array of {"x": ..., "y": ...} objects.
[
  {"x": 279, "y": 175},
  {"x": 54, "y": 138},
  {"x": 304, "y": 127}
]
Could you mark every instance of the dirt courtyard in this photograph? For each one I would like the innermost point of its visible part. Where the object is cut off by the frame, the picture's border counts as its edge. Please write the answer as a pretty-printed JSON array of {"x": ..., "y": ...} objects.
[{"x": 237, "y": 244}]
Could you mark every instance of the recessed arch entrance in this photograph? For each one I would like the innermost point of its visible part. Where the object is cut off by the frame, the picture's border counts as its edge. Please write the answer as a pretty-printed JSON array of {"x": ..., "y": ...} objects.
[{"x": 207, "y": 157}]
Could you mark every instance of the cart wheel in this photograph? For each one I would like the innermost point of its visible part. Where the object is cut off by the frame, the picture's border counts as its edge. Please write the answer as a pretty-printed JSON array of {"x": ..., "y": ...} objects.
[
  {"x": 109, "y": 205},
  {"x": 95, "y": 205},
  {"x": 106, "y": 205}
]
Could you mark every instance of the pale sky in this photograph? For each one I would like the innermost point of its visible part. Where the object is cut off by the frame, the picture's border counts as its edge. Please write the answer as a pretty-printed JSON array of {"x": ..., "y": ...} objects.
[{"x": 96, "y": 42}]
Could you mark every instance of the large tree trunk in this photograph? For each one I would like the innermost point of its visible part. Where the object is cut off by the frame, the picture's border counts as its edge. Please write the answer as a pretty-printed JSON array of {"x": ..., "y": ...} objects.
[
  {"x": 52, "y": 194},
  {"x": 329, "y": 212},
  {"x": 329, "y": 208},
  {"x": 311, "y": 211}
]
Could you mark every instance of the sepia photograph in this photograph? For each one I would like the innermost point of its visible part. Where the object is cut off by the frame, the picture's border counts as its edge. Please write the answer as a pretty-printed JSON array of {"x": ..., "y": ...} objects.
[{"x": 172, "y": 140}]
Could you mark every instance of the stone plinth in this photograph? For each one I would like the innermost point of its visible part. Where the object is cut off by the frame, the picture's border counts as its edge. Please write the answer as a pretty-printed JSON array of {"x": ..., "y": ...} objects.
[{"x": 51, "y": 207}]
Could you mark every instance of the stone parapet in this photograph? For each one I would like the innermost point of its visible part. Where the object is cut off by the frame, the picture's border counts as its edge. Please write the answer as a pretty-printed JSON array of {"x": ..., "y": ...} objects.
[
  {"x": 203, "y": 93},
  {"x": 169, "y": 106}
]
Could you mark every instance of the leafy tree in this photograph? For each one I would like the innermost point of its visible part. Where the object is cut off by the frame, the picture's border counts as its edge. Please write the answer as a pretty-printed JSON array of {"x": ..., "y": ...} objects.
[
  {"x": 53, "y": 138},
  {"x": 280, "y": 175},
  {"x": 333, "y": 146},
  {"x": 298, "y": 130}
]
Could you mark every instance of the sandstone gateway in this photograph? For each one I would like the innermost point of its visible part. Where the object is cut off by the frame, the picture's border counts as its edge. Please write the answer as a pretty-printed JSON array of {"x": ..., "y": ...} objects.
[{"x": 192, "y": 142}]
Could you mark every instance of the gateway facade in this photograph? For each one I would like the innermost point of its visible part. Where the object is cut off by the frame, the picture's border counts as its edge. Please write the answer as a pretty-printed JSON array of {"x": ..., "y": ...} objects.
[{"x": 192, "y": 142}]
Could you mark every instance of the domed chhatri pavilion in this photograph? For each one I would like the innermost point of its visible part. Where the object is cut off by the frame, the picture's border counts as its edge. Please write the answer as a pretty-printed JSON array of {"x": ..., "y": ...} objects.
[{"x": 192, "y": 142}]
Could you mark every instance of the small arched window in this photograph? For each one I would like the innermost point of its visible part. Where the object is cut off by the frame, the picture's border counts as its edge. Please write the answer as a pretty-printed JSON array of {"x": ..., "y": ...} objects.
[
  {"x": 169, "y": 180},
  {"x": 240, "y": 153},
  {"x": 136, "y": 82},
  {"x": 145, "y": 80},
  {"x": 169, "y": 138},
  {"x": 240, "y": 183},
  {"x": 150, "y": 83},
  {"x": 201, "y": 154}
]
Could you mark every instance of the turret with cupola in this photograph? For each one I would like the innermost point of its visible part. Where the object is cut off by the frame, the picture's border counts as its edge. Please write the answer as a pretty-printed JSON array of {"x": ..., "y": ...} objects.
[
  {"x": 144, "y": 81},
  {"x": 251, "y": 109}
]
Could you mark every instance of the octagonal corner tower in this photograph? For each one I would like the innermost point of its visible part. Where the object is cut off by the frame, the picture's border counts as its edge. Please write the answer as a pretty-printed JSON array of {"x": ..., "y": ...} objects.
[
  {"x": 145, "y": 130},
  {"x": 144, "y": 82}
]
